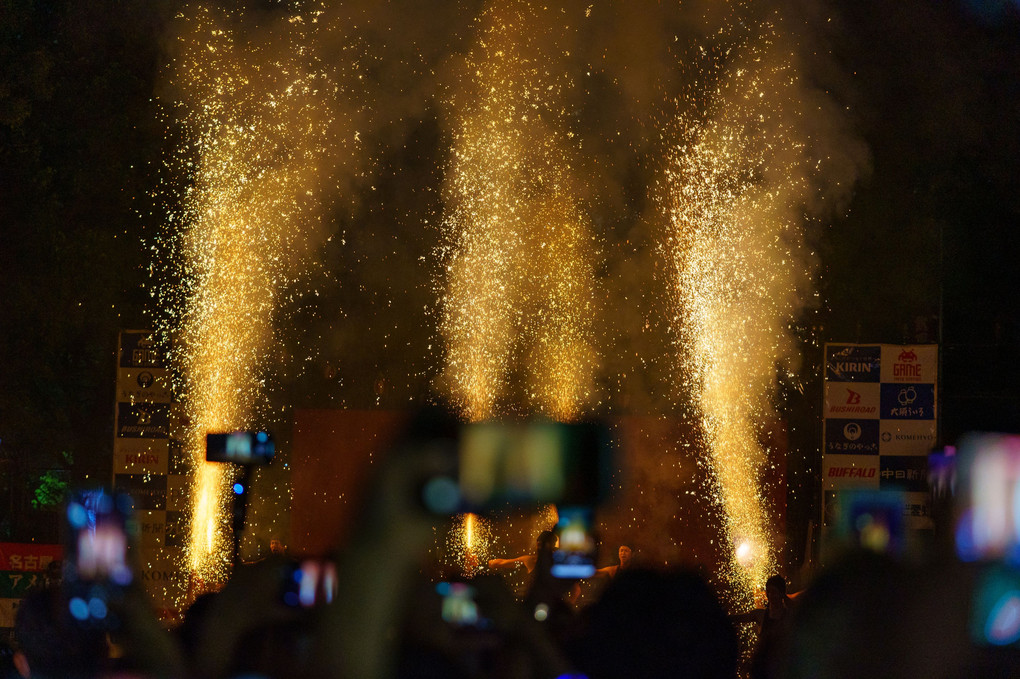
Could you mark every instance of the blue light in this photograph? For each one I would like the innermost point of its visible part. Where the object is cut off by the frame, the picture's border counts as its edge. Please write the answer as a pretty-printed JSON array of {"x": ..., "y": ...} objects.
[
  {"x": 238, "y": 489},
  {"x": 76, "y": 515},
  {"x": 441, "y": 495},
  {"x": 1003, "y": 625},
  {"x": 966, "y": 543},
  {"x": 79, "y": 609},
  {"x": 262, "y": 437},
  {"x": 97, "y": 608}
]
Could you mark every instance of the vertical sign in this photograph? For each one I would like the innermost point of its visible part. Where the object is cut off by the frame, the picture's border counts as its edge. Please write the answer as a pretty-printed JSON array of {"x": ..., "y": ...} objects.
[
  {"x": 880, "y": 423},
  {"x": 144, "y": 448}
]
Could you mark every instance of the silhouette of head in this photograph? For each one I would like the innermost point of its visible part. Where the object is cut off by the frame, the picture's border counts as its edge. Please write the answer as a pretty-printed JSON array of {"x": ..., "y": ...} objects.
[
  {"x": 547, "y": 541},
  {"x": 775, "y": 589}
]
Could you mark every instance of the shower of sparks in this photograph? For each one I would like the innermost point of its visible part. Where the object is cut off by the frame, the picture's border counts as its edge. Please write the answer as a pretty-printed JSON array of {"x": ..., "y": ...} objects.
[
  {"x": 256, "y": 117},
  {"x": 473, "y": 540},
  {"x": 469, "y": 543},
  {"x": 519, "y": 252},
  {"x": 733, "y": 191}
]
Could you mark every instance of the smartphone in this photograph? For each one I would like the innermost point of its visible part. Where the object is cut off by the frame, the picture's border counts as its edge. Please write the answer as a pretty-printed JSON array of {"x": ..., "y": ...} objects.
[
  {"x": 575, "y": 555},
  {"x": 995, "y": 609},
  {"x": 459, "y": 605},
  {"x": 97, "y": 567},
  {"x": 529, "y": 464},
  {"x": 240, "y": 447},
  {"x": 873, "y": 520},
  {"x": 988, "y": 498},
  {"x": 310, "y": 583}
]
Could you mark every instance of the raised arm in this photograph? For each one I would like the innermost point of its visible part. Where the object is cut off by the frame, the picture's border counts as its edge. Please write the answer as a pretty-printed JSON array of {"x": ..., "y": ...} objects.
[
  {"x": 757, "y": 615},
  {"x": 503, "y": 564},
  {"x": 607, "y": 572}
]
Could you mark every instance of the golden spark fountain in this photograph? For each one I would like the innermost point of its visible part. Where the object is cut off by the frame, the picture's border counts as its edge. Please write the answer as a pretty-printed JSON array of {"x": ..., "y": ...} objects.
[
  {"x": 733, "y": 192},
  {"x": 519, "y": 253},
  {"x": 518, "y": 249},
  {"x": 258, "y": 127}
]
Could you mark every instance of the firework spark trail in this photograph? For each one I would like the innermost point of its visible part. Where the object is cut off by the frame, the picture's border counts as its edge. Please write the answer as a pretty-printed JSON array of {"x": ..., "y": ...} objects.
[
  {"x": 518, "y": 247},
  {"x": 469, "y": 543},
  {"x": 259, "y": 131},
  {"x": 735, "y": 188}
]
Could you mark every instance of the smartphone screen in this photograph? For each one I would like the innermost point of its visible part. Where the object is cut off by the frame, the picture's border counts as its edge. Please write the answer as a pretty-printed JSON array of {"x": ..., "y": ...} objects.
[
  {"x": 531, "y": 464},
  {"x": 988, "y": 485},
  {"x": 98, "y": 522},
  {"x": 575, "y": 555},
  {"x": 98, "y": 567},
  {"x": 310, "y": 583},
  {"x": 240, "y": 447},
  {"x": 459, "y": 605},
  {"x": 995, "y": 610},
  {"x": 873, "y": 520}
]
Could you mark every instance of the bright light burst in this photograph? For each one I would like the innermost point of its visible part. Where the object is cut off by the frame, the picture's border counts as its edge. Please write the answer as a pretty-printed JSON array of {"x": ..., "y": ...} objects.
[
  {"x": 256, "y": 115},
  {"x": 519, "y": 252},
  {"x": 733, "y": 191},
  {"x": 469, "y": 543}
]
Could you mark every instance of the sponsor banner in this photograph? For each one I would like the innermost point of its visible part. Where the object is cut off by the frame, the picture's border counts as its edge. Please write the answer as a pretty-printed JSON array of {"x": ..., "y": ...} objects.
[
  {"x": 16, "y": 584},
  {"x": 908, "y": 401},
  {"x": 852, "y": 362},
  {"x": 140, "y": 456},
  {"x": 176, "y": 529},
  {"x": 138, "y": 349},
  {"x": 850, "y": 471},
  {"x": 147, "y": 490},
  {"x": 910, "y": 364},
  {"x": 917, "y": 510},
  {"x": 151, "y": 527},
  {"x": 8, "y": 609},
  {"x": 853, "y": 437},
  {"x": 143, "y": 420},
  {"x": 28, "y": 556},
  {"x": 907, "y": 437},
  {"x": 143, "y": 385},
  {"x": 904, "y": 472},
  {"x": 857, "y": 400}
]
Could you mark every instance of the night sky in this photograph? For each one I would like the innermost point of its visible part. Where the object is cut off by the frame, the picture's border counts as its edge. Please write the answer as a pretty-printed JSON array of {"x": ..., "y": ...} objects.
[{"x": 921, "y": 245}]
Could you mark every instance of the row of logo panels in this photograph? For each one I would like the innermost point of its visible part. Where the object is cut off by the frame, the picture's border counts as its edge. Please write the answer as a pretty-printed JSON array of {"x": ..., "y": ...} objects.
[
  {"x": 879, "y": 401},
  {"x": 155, "y": 492},
  {"x": 881, "y": 363},
  {"x": 141, "y": 385},
  {"x": 879, "y": 437},
  {"x": 150, "y": 456},
  {"x": 148, "y": 420},
  {"x": 907, "y": 473}
]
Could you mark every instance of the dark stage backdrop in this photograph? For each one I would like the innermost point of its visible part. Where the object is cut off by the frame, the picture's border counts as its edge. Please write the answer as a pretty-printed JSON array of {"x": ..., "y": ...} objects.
[{"x": 662, "y": 506}]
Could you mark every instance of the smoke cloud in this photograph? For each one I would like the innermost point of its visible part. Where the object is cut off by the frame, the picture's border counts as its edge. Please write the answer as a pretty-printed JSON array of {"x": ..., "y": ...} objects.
[{"x": 369, "y": 152}]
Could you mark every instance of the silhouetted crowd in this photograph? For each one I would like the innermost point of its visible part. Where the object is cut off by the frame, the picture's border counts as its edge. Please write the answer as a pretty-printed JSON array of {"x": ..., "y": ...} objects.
[
  {"x": 868, "y": 616},
  {"x": 390, "y": 614}
]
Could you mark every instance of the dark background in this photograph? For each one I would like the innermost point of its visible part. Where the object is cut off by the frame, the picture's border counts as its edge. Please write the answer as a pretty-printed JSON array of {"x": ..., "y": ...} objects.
[{"x": 925, "y": 251}]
